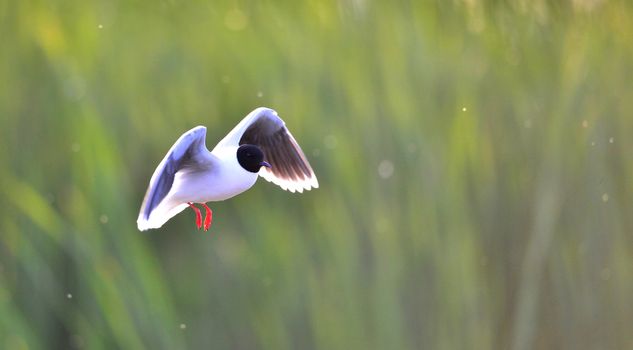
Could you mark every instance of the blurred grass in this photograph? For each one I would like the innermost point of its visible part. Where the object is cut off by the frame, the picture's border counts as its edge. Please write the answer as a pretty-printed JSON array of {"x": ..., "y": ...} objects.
[{"x": 473, "y": 156}]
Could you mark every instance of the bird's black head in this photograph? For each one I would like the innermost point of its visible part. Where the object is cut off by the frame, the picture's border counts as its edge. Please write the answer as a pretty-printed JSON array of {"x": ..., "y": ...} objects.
[{"x": 251, "y": 158}]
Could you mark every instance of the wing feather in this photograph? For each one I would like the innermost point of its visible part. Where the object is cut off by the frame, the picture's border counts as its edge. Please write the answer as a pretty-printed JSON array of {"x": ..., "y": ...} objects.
[
  {"x": 184, "y": 152},
  {"x": 290, "y": 168}
]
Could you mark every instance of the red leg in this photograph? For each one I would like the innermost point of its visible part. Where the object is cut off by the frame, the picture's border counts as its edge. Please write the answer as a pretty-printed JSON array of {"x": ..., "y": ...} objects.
[
  {"x": 198, "y": 215},
  {"x": 208, "y": 217}
]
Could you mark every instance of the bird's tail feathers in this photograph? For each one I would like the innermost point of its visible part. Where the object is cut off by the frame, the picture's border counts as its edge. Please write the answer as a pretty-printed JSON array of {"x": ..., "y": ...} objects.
[{"x": 159, "y": 215}]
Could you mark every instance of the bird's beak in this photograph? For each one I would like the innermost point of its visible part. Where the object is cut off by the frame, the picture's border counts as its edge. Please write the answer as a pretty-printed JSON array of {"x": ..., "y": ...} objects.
[{"x": 266, "y": 164}]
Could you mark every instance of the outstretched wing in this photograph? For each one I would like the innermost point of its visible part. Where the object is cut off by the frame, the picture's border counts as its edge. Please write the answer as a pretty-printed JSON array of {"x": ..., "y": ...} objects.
[
  {"x": 290, "y": 168},
  {"x": 189, "y": 150}
]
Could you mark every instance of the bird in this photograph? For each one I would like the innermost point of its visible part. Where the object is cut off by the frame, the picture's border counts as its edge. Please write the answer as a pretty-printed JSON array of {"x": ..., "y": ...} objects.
[{"x": 190, "y": 174}]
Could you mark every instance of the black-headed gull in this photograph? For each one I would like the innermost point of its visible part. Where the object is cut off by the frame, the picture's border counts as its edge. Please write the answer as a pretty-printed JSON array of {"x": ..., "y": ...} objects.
[{"x": 259, "y": 145}]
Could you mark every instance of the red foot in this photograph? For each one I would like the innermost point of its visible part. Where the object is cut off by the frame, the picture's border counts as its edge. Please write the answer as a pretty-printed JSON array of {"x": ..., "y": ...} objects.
[
  {"x": 198, "y": 215},
  {"x": 208, "y": 217}
]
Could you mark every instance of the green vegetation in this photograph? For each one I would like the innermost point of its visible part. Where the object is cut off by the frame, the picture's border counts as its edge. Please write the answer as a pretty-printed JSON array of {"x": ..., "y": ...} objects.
[{"x": 474, "y": 160}]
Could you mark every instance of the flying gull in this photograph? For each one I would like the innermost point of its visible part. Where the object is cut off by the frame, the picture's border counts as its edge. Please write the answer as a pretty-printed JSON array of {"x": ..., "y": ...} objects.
[{"x": 189, "y": 174}]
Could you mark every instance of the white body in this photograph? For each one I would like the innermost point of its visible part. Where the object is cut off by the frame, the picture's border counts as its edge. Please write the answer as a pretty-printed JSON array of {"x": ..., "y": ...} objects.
[
  {"x": 210, "y": 183},
  {"x": 215, "y": 183}
]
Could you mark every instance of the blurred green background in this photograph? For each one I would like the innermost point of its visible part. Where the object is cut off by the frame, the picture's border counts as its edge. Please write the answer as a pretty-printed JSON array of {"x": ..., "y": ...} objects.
[{"x": 474, "y": 159}]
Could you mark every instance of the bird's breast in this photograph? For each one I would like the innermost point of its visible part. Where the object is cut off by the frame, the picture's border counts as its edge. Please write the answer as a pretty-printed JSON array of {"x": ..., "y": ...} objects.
[
  {"x": 229, "y": 184},
  {"x": 223, "y": 180}
]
